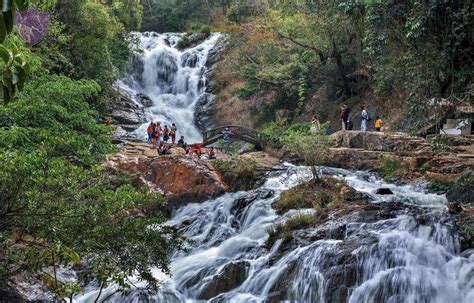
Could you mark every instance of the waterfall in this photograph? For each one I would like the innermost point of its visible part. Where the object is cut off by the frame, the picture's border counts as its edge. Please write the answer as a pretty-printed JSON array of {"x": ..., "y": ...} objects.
[
  {"x": 413, "y": 256},
  {"x": 172, "y": 79}
]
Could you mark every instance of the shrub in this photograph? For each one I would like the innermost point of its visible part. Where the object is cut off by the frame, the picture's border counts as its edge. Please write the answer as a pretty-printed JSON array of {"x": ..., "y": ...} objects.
[
  {"x": 390, "y": 167},
  {"x": 238, "y": 174}
]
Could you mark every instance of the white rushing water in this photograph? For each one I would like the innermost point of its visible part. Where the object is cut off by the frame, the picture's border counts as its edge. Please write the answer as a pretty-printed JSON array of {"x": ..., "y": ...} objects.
[
  {"x": 413, "y": 256},
  {"x": 172, "y": 79}
]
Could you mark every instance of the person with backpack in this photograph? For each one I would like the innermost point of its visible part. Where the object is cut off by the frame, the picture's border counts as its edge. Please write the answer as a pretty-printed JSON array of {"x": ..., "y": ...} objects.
[
  {"x": 166, "y": 134},
  {"x": 346, "y": 117},
  {"x": 364, "y": 117},
  {"x": 174, "y": 129}
]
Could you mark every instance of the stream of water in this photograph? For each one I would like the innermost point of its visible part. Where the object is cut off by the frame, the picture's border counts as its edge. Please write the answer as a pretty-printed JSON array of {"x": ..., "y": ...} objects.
[
  {"x": 400, "y": 259},
  {"x": 173, "y": 79}
]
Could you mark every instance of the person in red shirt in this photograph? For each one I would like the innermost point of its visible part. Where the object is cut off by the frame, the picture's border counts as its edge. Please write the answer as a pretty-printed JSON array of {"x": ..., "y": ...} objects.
[
  {"x": 149, "y": 131},
  {"x": 198, "y": 150}
]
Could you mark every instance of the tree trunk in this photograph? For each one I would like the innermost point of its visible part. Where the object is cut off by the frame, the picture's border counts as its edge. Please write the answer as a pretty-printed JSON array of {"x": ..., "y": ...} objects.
[{"x": 336, "y": 54}]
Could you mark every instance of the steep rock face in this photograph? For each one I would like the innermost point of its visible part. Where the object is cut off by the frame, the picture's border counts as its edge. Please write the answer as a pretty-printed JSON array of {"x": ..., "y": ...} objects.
[
  {"x": 204, "y": 110},
  {"x": 230, "y": 277},
  {"x": 182, "y": 178},
  {"x": 126, "y": 113}
]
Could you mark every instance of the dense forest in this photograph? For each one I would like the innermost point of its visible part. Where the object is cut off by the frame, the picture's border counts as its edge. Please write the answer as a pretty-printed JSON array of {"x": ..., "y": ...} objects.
[{"x": 285, "y": 61}]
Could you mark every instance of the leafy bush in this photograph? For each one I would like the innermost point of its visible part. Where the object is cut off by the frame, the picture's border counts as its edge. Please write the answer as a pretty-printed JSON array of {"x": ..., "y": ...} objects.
[
  {"x": 285, "y": 230},
  {"x": 390, "y": 167},
  {"x": 238, "y": 174}
]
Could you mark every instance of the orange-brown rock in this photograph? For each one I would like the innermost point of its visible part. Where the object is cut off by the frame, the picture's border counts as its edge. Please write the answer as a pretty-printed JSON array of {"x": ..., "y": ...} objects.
[{"x": 180, "y": 178}]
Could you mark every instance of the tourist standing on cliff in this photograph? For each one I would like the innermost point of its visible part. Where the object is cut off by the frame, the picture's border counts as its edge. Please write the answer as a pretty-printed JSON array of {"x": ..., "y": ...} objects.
[
  {"x": 157, "y": 134},
  {"x": 345, "y": 114},
  {"x": 149, "y": 131},
  {"x": 226, "y": 133},
  {"x": 166, "y": 134},
  {"x": 378, "y": 124},
  {"x": 315, "y": 125},
  {"x": 174, "y": 129},
  {"x": 364, "y": 117}
]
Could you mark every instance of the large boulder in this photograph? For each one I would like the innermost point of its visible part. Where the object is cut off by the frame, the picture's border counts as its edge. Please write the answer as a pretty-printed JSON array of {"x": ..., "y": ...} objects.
[
  {"x": 379, "y": 141},
  {"x": 124, "y": 111},
  {"x": 230, "y": 277},
  {"x": 180, "y": 178}
]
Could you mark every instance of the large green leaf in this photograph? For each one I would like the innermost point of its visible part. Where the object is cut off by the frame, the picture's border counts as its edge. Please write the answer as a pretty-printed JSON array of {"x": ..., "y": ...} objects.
[{"x": 4, "y": 54}]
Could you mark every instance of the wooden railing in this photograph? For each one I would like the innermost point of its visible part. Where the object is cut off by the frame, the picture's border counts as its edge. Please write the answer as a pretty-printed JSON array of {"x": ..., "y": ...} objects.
[{"x": 241, "y": 133}]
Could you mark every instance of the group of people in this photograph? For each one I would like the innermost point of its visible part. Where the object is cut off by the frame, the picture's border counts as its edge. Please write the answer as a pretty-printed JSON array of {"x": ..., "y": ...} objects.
[
  {"x": 157, "y": 135},
  {"x": 347, "y": 124},
  {"x": 160, "y": 136}
]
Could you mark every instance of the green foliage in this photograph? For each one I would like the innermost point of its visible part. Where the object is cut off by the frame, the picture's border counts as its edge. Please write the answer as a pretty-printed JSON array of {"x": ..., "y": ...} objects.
[
  {"x": 7, "y": 16},
  {"x": 14, "y": 69},
  {"x": 57, "y": 210},
  {"x": 192, "y": 38},
  {"x": 312, "y": 148},
  {"x": 58, "y": 207},
  {"x": 390, "y": 167},
  {"x": 306, "y": 195},
  {"x": 285, "y": 230},
  {"x": 238, "y": 174},
  {"x": 178, "y": 15}
]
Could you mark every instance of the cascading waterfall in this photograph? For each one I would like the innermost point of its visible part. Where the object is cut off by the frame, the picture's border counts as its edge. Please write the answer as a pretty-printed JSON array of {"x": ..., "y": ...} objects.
[
  {"x": 411, "y": 257},
  {"x": 173, "y": 80}
]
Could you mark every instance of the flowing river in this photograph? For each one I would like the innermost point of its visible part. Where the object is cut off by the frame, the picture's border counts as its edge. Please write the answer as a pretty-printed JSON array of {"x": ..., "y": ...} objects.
[{"x": 411, "y": 255}]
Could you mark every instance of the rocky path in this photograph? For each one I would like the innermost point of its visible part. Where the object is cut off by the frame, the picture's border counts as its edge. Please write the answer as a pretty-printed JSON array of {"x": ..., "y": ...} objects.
[{"x": 446, "y": 159}]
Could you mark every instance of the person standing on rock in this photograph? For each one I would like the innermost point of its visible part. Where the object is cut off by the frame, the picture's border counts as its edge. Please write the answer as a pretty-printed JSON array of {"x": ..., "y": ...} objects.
[
  {"x": 166, "y": 134},
  {"x": 364, "y": 117},
  {"x": 157, "y": 136},
  {"x": 181, "y": 143},
  {"x": 341, "y": 116},
  {"x": 378, "y": 124},
  {"x": 226, "y": 133},
  {"x": 174, "y": 129},
  {"x": 149, "y": 131},
  {"x": 346, "y": 117}
]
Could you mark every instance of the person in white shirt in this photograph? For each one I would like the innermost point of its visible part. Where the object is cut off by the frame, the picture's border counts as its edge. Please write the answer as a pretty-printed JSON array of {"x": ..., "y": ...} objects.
[{"x": 364, "y": 117}]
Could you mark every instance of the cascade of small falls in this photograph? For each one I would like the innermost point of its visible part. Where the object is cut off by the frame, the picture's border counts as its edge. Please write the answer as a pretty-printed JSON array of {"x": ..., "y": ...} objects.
[
  {"x": 413, "y": 256},
  {"x": 172, "y": 79}
]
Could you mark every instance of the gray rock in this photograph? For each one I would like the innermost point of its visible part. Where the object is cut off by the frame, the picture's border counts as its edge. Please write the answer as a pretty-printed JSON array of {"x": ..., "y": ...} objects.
[
  {"x": 144, "y": 100},
  {"x": 232, "y": 276},
  {"x": 384, "y": 191},
  {"x": 204, "y": 111}
]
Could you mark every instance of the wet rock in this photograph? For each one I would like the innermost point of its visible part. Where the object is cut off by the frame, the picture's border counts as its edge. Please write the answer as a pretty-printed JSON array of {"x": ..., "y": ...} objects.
[
  {"x": 240, "y": 204},
  {"x": 126, "y": 112},
  {"x": 25, "y": 288},
  {"x": 204, "y": 111},
  {"x": 230, "y": 277},
  {"x": 383, "y": 191},
  {"x": 144, "y": 100},
  {"x": 189, "y": 59}
]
